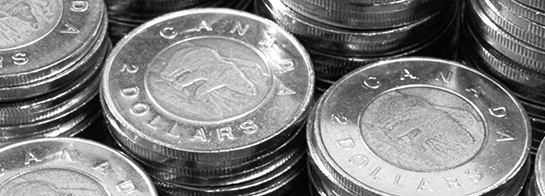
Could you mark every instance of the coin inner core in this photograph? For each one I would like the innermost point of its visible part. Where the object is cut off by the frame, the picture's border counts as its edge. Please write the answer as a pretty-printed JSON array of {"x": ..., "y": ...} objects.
[
  {"x": 53, "y": 182},
  {"x": 422, "y": 129},
  {"x": 25, "y": 21},
  {"x": 208, "y": 79}
]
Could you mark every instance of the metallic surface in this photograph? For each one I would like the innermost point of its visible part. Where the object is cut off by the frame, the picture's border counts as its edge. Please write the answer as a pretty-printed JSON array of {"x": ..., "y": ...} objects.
[
  {"x": 485, "y": 125},
  {"x": 271, "y": 84},
  {"x": 69, "y": 166}
]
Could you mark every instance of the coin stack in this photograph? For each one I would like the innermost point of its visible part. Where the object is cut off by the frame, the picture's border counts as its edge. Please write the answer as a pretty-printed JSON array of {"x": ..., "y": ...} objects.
[
  {"x": 506, "y": 39},
  {"x": 344, "y": 35},
  {"x": 126, "y": 15},
  {"x": 69, "y": 166},
  {"x": 51, "y": 55},
  {"x": 418, "y": 126},
  {"x": 214, "y": 103}
]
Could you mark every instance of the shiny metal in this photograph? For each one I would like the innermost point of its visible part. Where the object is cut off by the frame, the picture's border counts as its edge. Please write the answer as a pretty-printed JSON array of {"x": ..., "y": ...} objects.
[
  {"x": 539, "y": 185},
  {"x": 366, "y": 15},
  {"x": 51, "y": 38},
  {"x": 69, "y": 166},
  {"x": 254, "y": 81},
  {"x": 351, "y": 42},
  {"x": 420, "y": 126},
  {"x": 523, "y": 10},
  {"x": 526, "y": 55}
]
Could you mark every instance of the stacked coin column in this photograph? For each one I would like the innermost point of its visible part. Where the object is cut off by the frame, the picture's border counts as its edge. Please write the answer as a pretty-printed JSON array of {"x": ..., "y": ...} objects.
[
  {"x": 125, "y": 15},
  {"x": 211, "y": 102},
  {"x": 51, "y": 56},
  {"x": 506, "y": 39},
  {"x": 418, "y": 126},
  {"x": 344, "y": 35}
]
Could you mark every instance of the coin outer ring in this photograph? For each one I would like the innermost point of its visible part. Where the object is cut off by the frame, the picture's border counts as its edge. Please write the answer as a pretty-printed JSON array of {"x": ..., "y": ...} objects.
[
  {"x": 497, "y": 161},
  {"x": 539, "y": 168},
  {"x": 48, "y": 56},
  {"x": 266, "y": 118},
  {"x": 120, "y": 177}
]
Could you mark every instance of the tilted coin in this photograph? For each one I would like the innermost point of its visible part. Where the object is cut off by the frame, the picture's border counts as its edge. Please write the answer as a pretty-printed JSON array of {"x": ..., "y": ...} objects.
[
  {"x": 537, "y": 4},
  {"x": 208, "y": 84},
  {"x": 40, "y": 39},
  {"x": 539, "y": 183},
  {"x": 520, "y": 9},
  {"x": 364, "y": 15},
  {"x": 349, "y": 42},
  {"x": 419, "y": 126},
  {"x": 65, "y": 166}
]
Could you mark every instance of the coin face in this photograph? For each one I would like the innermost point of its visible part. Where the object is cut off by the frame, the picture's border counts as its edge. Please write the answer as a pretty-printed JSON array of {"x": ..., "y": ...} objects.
[
  {"x": 65, "y": 183},
  {"x": 207, "y": 80},
  {"x": 25, "y": 21},
  {"x": 69, "y": 167},
  {"x": 41, "y": 38},
  {"x": 422, "y": 129},
  {"x": 420, "y": 126}
]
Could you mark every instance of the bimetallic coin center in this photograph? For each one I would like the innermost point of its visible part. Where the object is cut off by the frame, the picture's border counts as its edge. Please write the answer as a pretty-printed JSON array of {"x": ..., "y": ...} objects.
[
  {"x": 53, "y": 182},
  {"x": 208, "y": 79},
  {"x": 422, "y": 129},
  {"x": 25, "y": 21}
]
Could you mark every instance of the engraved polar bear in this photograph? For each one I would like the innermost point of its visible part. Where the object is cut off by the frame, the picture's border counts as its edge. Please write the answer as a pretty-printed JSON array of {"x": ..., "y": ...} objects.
[{"x": 20, "y": 20}]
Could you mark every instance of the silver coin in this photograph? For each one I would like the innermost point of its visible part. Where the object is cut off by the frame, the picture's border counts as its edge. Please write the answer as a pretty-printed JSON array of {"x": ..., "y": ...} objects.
[
  {"x": 399, "y": 111},
  {"x": 539, "y": 168},
  {"x": 40, "y": 39},
  {"x": 60, "y": 166},
  {"x": 255, "y": 82}
]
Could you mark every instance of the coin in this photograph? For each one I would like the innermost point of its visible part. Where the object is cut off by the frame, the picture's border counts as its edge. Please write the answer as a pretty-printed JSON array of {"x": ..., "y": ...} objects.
[
  {"x": 344, "y": 42},
  {"x": 365, "y": 15},
  {"x": 58, "y": 166},
  {"x": 539, "y": 183},
  {"x": 40, "y": 39},
  {"x": 228, "y": 111},
  {"x": 415, "y": 100}
]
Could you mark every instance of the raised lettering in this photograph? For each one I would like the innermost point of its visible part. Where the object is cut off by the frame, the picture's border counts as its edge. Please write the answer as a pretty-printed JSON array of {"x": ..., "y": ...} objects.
[
  {"x": 126, "y": 187},
  {"x": 130, "y": 92},
  {"x": 474, "y": 175},
  {"x": 473, "y": 92},
  {"x": 249, "y": 127},
  {"x": 20, "y": 59},
  {"x": 267, "y": 42},
  {"x": 397, "y": 178},
  {"x": 372, "y": 83},
  {"x": 375, "y": 172},
  {"x": 175, "y": 131},
  {"x": 65, "y": 155},
  {"x": 29, "y": 158},
  {"x": 69, "y": 29},
  {"x": 499, "y": 112},
  {"x": 200, "y": 135},
  {"x": 285, "y": 90},
  {"x": 153, "y": 124},
  {"x": 168, "y": 33},
  {"x": 359, "y": 160},
  {"x": 451, "y": 182},
  {"x": 139, "y": 108},
  {"x": 504, "y": 135},
  {"x": 287, "y": 65},
  {"x": 226, "y": 132},
  {"x": 346, "y": 144},
  {"x": 129, "y": 68},
  {"x": 445, "y": 78},
  {"x": 424, "y": 184},
  {"x": 102, "y": 167},
  {"x": 203, "y": 26},
  {"x": 239, "y": 29},
  {"x": 407, "y": 75},
  {"x": 79, "y": 6},
  {"x": 339, "y": 119}
]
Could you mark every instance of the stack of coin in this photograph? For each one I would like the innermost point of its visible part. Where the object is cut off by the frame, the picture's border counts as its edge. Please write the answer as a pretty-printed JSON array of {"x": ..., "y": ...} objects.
[
  {"x": 506, "y": 39},
  {"x": 125, "y": 15},
  {"x": 344, "y": 35},
  {"x": 213, "y": 103},
  {"x": 69, "y": 166},
  {"x": 51, "y": 55},
  {"x": 418, "y": 126}
]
